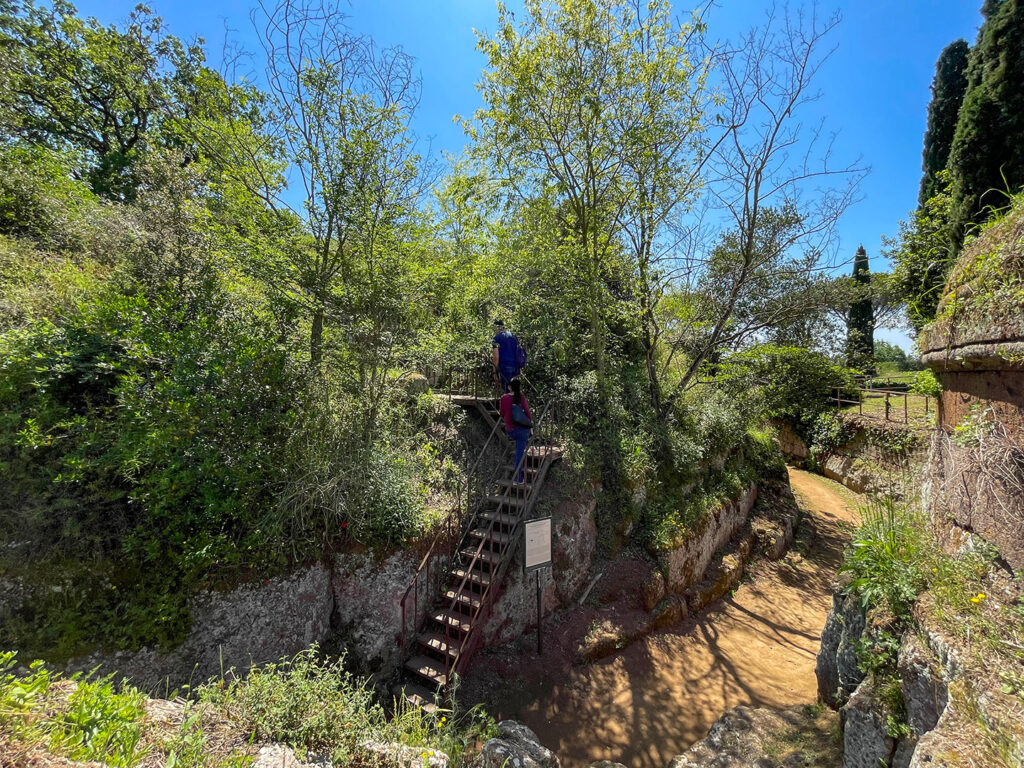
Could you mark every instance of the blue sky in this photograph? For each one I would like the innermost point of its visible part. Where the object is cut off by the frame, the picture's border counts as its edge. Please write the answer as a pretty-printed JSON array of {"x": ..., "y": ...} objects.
[{"x": 875, "y": 87}]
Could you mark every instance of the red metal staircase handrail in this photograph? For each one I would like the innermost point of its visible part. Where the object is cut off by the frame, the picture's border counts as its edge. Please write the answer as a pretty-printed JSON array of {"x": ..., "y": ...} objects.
[{"x": 486, "y": 597}]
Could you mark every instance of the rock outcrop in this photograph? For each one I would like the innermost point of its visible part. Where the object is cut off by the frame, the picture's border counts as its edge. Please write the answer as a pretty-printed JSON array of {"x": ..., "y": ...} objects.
[
  {"x": 837, "y": 668},
  {"x": 866, "y": 740},
  {"x": 745, "y": 737},
  {"x": 516, "y": 746}
]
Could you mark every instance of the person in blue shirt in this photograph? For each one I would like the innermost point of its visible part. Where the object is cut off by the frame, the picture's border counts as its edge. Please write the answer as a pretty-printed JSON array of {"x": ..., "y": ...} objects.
[{"x": 505, "y": 356}]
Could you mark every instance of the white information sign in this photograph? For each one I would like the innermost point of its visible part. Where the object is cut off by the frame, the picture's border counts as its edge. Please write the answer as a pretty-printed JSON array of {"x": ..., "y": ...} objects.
[{"x": 538, "y": 544}]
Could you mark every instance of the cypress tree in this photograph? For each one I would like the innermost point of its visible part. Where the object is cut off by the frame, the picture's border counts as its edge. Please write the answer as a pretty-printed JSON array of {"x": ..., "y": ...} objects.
[
  {"x": 948, "y": 90},
  {"x": 860, "y": 328},
  {"x": 987, "y": 156}
]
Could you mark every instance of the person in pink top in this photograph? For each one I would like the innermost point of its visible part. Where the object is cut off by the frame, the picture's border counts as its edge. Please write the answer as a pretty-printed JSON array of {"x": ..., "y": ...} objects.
[{"x": 518, "y": 422}]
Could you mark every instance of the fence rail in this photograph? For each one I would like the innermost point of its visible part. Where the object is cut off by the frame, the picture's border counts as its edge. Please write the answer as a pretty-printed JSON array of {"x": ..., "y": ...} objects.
[{"x": 909, "y": 408}]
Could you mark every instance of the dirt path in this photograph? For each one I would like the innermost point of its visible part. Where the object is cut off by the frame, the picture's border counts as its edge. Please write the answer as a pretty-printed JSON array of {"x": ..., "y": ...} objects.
[{"x": 649, "y": 702}]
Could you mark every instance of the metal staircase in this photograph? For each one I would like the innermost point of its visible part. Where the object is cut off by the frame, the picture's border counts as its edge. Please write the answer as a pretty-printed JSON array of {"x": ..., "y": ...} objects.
[{"x": 458, "y": 582}]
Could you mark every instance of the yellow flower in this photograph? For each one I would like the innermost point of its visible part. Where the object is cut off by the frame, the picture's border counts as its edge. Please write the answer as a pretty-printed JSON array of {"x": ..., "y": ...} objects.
[
  {"x": 975, "y": 600},
  {"x": 981, "y": 595},
  {"x": 444, "y": 719},
  {"x": 935, "y": 570},
  {"x": 424, "y": 755}
]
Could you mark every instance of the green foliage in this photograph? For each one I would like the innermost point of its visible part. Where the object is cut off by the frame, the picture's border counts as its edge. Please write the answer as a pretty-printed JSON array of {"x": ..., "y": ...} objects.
[
  {"x": 101, "y": 724},
  {"x": 948, "y": 88},
  {"x": 307, "y": 702},
  {"x": 792, "y": 383},
  {"x": 75, "y": 84},
  {"x": 96, "y": 722},
  {"x": 884, "y": 557},
  {"x": 926, "y": 383},
  {"x": 987, "y": 156},
  {"x": 860, "y": 328},
  {"x": 40, "y": 199},
  {"x": 829, "y": 432},
  {"x": 890, "y": 353},
  {"x": 714, "y": 452},
  {"x": 922, "y": 254},
  {"x": 313, "y": 704}
]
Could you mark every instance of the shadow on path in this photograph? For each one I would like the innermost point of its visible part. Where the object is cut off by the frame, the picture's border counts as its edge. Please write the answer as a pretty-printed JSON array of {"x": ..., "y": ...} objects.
[{"x": 652, "y": 700}]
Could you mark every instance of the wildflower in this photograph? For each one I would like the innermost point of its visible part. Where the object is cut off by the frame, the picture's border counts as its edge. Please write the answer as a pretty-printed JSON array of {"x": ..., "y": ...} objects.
[
  {"x": 424, "y": 755},
  {"x": 344, "y": 525},
  {"x": 444, "y": 719},
  {"x": 935, "y": 570}
]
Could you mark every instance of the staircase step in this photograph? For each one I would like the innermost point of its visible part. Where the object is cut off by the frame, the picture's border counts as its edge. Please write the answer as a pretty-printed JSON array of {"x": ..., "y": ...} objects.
[
  {"x": 507, "y": 483},
  {"x": 475, "y": 576},
  {"x": 439, "y": 644},
  {"x": 485, "y": 533},
  {"x": 429, "y": 669},
  {"x": 454, "y": 620},
  {"x": 510, "y": 500},
  {"x": 502, "y": 518},
  {"x": 464, "y": 598},
  {"x": 418, "y": 695},
  {"x": 485, "y": 555}
]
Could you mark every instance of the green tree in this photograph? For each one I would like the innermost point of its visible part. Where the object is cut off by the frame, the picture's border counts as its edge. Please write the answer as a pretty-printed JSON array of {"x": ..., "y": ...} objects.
[
  {"x": 74, "y": 84},
  {"x": 948, "y": 88},
  {"x": 890, "y": 353},
  {"x": 922, "y": 253},
  {"x": 987, "y": 155},
  {"x": 860, "y": 331},
  {"x": 558, "y": 95}
]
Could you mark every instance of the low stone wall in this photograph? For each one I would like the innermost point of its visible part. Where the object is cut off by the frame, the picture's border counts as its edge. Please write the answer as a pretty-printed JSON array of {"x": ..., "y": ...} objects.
[
  {"x": 354, "y": 605},
  {"x": 685, "y": 566},
  {"x": 865, "y": 464},
  {"x": 767, "y": 531},
  {"x": 252, "y": 624}
]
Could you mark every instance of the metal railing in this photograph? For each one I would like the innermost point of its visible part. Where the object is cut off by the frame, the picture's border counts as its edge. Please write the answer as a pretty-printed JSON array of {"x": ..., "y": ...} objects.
[
  {"x": 424, "y": 586},
  {"x": 896, "y": 406},
  {"x": 497, "y": 549},
  {"x": 469, "y": 377}
]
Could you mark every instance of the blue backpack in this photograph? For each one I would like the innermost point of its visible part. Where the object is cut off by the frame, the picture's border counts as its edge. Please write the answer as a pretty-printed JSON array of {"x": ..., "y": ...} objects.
[
  {"x": 520, "y": 356},
  {"x": 519, "y": 417}
]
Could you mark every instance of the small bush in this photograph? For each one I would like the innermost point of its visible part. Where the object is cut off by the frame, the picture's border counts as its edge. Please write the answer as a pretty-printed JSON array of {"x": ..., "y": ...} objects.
[
  {"x": 830, "y": 432},
  {"x": 306, "y": 702},
  {"x": 314, "y": 705},
  {"x": 926, "y": 383},
  {"x": 95, "y": 723},
  {"x": 884, "y": 558}
]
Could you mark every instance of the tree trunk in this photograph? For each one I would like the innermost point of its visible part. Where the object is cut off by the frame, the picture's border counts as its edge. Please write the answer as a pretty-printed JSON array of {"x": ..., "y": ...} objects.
[{"x": 316, "y": 339}]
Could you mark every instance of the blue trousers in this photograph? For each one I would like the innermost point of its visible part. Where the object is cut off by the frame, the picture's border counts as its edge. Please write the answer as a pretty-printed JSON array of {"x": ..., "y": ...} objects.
[
  {"x": 521, "y": 435},
  {"x": 505, "y": 375}
]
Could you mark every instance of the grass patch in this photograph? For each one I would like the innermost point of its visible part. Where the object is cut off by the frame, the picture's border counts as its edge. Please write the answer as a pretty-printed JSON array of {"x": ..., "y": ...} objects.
[
  {"x": 913, "y": 409},
  {"x": 308, "y": 703},
  {"x": 810, "y": 738}
]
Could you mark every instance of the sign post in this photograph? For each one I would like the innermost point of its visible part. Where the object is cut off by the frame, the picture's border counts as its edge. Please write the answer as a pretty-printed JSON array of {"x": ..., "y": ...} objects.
[{"x": 537, "y": 555}]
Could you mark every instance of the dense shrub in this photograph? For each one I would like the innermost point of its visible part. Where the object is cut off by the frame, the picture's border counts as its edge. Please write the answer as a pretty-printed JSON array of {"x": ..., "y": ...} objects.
[
  {"x": 793, "y": 384},
  {"x": 151, "y": 443}
]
